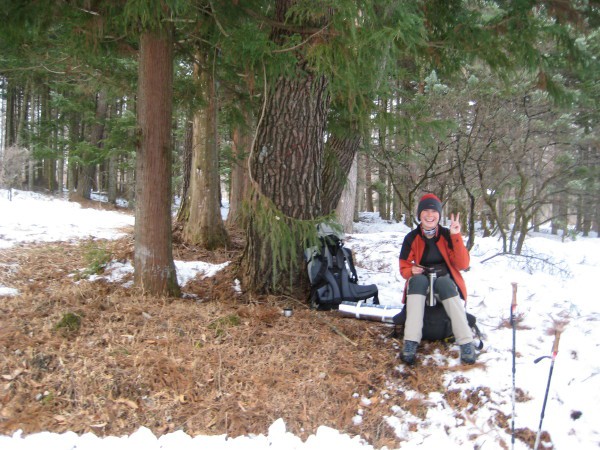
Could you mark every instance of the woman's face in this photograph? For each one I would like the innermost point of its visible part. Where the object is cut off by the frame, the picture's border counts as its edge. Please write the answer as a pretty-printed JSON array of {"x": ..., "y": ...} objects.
[{"x": 429, "y": 219}]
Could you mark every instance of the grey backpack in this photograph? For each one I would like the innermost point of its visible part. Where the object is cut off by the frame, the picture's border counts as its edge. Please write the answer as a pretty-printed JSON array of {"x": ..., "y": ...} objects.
[{"x": 332, "y": 273}]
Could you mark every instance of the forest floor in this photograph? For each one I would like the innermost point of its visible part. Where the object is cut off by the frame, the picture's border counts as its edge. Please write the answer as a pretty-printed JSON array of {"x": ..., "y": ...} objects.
[{"x": 94, "y": 356}]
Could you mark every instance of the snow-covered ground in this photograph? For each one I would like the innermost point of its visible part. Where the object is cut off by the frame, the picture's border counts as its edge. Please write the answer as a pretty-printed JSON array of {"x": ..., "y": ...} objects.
[{"x": 555, "y": 286}]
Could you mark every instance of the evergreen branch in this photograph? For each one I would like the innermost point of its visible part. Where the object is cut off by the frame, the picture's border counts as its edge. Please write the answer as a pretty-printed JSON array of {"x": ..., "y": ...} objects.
[
  {"x": 39, "y": 66},
  {"x": 87, "y": 11},
  {"x": 217, "y": 21},
  {"x": 286, "y": 27},
  {"x": 284, "y": 50}
]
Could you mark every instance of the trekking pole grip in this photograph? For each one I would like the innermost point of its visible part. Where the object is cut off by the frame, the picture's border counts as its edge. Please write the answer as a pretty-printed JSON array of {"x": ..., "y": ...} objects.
[
  {"x": 514, "y": 297},
  {"x": 557, "y": 334}
]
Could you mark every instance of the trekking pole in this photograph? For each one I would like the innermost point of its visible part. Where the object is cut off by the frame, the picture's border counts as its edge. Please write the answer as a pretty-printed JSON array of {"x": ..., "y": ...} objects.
[
  {"x": 513, "y": 322},
  {"x": 557, "y": 333}
]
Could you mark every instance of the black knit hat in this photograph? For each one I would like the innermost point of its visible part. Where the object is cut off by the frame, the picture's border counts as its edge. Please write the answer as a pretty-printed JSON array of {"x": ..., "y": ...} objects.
[{"x": 429, "y": 201}]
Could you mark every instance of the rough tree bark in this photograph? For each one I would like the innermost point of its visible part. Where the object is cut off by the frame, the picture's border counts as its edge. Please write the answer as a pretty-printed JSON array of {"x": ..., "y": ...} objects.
[
  {"x": 339, "y": 156},
  {"x": 285, "y": 170},
  {"x": 154, "y": 269},
  {"x": 286, "y": 166},
  {"x": 205, "y": 225},
  {"x": 240, "y": 183},
  {"x": 345, "y": 207}
]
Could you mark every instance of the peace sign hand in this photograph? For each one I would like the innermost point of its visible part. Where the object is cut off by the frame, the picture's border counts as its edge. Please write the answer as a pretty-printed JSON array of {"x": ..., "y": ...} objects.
[{"x": 455, "y": 224}]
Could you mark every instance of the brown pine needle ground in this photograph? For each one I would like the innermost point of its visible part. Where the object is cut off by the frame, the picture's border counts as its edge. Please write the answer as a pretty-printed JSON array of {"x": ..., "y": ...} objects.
[{"x": 94, "y": 356}]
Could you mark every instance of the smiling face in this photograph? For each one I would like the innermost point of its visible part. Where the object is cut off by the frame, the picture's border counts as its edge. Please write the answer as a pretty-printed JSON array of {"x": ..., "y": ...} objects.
[{"x": 429, "y": 219}]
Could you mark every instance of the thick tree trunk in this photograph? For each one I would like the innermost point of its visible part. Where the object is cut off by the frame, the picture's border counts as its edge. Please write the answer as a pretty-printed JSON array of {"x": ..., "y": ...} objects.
[
  {"x": 286, "y": 165},
  {"x": 288, "y": 154},
  {"x": 205, "y": 225},
  {"x": 154, "y": 269}
]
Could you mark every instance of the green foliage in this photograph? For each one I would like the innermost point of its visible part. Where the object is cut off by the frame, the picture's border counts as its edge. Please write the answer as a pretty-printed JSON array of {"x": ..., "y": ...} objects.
[
  {"x": 120, "y": 135},
  {"x": 68, "y": 324},
  {"x": 48, "y": 398},
  {"x": 222, "y": 324},
  {"x": 97, "y": 257},
  {"x": 282, "y": 239},
  {"x": 138, "y": 15},
  {"x": 363, "y": 45},
  {"x": 494, "y": 53}
]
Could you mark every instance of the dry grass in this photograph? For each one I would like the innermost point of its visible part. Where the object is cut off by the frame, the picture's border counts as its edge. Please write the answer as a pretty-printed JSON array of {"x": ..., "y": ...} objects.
[{"x": 95, "y": 356}]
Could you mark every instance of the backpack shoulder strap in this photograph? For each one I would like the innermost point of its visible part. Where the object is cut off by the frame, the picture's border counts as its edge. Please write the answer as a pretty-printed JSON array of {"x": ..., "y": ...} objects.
[
  {"x": 326, "y": 259},
  {"x": 348, "y": 255}
]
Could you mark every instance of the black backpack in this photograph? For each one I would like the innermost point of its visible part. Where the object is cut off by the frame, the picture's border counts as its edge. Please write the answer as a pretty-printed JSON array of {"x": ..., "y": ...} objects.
[
  {"x": 332, "y": 273},
  {"x": 437, "y": 325}
]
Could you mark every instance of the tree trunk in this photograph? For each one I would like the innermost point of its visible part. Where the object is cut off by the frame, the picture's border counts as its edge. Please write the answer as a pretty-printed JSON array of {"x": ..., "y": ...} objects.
[
  {"x": 596, "y": 223},
  {"x": 559, "y": 213},
  {"x": 49, "y": 161},
  {"x": 396, "y": 206},
  {"x": 471, "y": 221},
  {"x": 154, "y": 269},
  {"x": 61, "y": 160},
  {"x": 345, "y": 207},
  {"x": 240, "y": 183},
  {"x": 87, "y": 169},
  {"x": 113, "y": 165},
  {"x": 74, "y": 137},
  {"x": 524, "y": 225},
  {"x": 382, "y": 198},
  {"x": 183, "y": 214},
  {"x": 12, "y": 114},
  {"x": 18, "y": 134},
  {"x": 359, "y": 203},
  {"x": 286, "y": 165},
  {"x": 368, "y": 185},
  {"x": 205, "y": 225},
  {"x": 339, "y": 157}
]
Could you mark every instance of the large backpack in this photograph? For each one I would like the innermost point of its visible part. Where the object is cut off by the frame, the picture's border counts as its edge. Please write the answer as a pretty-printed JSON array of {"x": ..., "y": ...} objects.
[
  {"x": 332, "y": 273},
  {"x": 437, "y": 325}
]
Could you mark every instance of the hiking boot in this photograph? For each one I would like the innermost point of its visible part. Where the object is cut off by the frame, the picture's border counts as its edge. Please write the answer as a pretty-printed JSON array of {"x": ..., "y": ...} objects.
[
  {"x": 467, "y": 353},
  {"x": 409, "y": 352}
]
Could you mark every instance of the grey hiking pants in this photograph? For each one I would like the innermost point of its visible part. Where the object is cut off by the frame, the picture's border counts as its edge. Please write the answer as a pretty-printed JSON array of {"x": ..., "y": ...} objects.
[{"x": 445, "y": 289}]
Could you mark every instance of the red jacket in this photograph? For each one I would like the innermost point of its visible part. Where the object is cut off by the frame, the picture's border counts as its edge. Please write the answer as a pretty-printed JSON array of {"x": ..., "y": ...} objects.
[{"x": 452, "y": 248}]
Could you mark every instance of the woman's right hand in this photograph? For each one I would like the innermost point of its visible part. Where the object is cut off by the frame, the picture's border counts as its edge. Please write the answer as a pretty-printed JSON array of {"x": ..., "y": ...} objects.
[{"x": 416, "y": 270}]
